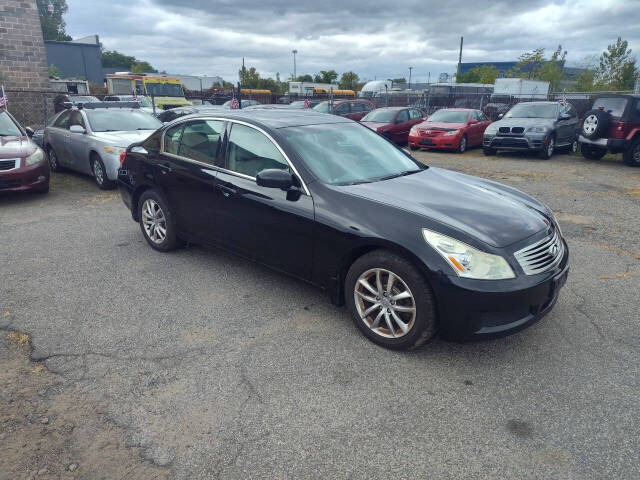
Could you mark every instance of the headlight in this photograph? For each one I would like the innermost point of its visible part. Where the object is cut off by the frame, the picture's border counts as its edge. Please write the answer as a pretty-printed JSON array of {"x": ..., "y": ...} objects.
[
  {"x": 114, "y": 150},
  {"x": 490, "y": 131},
  {"x": 450, "y": 133},
  {"x": 537, "y": 129},
  {"x": 467, "y": 261},
  {"x": 413, "y": 131},
  {"x": 35, "y": 157}
]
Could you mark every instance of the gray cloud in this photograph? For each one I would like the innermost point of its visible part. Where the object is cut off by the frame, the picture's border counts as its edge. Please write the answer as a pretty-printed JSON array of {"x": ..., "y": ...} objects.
[{"x": 374, "y": 38}]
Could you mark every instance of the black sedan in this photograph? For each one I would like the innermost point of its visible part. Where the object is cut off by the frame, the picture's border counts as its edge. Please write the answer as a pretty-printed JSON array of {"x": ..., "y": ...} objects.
[{"x": 412, "y": 250}]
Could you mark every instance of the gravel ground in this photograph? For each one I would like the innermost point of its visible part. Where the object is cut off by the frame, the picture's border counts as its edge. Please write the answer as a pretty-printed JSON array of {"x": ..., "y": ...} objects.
[{"x": 213, "y": 367}]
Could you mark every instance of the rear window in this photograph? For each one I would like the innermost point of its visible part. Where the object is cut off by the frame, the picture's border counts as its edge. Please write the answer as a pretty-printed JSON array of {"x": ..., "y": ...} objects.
[{"x": 614, "y": 105}]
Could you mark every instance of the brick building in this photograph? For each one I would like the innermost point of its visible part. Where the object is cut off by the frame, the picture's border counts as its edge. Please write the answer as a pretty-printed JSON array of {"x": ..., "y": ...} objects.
[{"x": 23, "y": 62}]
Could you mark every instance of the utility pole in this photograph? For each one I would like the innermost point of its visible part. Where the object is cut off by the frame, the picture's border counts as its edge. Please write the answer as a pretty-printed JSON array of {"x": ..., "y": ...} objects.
[
  {"x": 294, "y": 64},
  {"x": 410, "y": 68},
  {"x": 460, "y": 58}
]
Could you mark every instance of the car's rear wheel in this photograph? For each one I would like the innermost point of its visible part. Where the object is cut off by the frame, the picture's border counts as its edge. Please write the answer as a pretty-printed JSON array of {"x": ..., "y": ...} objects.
[
  {"x": 100, "y": 173},
  {"x": 54, "y": 164},
  {"x": 573, "y": 148},
  {"x": 591, "y": 152},
  {"x": 157, "y": 222},
  {"x": 462, "y": 147},
  {"x": 390, "y": 300},
  {"x": 546, "y": 152},
  {"x": 632, "y": 156}
]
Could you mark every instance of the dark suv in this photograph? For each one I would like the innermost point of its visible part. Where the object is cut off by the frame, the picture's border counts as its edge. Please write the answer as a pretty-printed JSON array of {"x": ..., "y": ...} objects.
[{"x": 613, "y": 124}]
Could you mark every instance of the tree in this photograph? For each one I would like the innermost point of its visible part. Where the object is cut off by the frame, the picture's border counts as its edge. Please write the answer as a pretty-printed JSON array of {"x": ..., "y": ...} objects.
[
  {"x": 304, "y": 78},
  {"x": 480, "y": 74},
  {"x": 326, "y": 76},
  {"x": 399, "y": 80},
  {"x": 552, "y": 71},
  {"x": 349, "y": 81},
  {"x": 53, "y": 26},
  {"x": 617, "y": 69},
  {"x": 54, "y": 72},
  {"x": 250, "y": 78},
  {"x": 113, "y": 59},
  {"x": 529, "y": 64}
]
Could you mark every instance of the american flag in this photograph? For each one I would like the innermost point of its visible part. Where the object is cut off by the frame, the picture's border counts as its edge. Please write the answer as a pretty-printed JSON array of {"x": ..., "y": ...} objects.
[
  {"x": 3, "y": 97},
  {"x": 234, "y": 104},
  {"x": 306, "y": 103}
]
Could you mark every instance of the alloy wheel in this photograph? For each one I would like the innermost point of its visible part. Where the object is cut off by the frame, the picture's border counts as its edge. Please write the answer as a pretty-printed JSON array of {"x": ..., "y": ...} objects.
[
  {"x": 590, "y": 124},
  {"x": 574, "y": 146},
  {"x": 53, "y": 160},
  {"x": 636, "y": 154},
  {"x": 98, "y": 172},
  {"x": 154, "y": 221},
  {"x": 385, "y": 303},
  {"x": 550, "y": 147},
  {"x": 463, "y": 144}
]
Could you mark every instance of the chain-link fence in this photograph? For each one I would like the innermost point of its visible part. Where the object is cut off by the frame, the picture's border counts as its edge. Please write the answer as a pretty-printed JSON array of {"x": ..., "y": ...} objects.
[{"x": 31, "y": 108}]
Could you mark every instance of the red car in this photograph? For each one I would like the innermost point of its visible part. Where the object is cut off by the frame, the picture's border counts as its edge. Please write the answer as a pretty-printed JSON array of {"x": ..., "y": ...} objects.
[
  {"x": 393, "y": 122},
  {"x": 353, "y": 109},
  {"x": 23, "y": 165},
  {"x": 450, "y": 128}
]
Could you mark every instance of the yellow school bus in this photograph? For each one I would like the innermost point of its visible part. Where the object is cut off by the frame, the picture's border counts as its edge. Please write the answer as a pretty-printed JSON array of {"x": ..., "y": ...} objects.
[{"x": 167, "y": 91}]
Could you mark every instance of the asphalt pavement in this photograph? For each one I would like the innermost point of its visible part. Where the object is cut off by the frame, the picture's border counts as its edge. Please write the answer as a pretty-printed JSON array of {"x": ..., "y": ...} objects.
[{"x": 214, "y": 367}]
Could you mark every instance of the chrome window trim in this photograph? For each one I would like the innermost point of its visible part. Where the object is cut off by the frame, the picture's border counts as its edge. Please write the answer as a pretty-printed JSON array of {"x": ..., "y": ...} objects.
[{"x": 225, "y": 170}]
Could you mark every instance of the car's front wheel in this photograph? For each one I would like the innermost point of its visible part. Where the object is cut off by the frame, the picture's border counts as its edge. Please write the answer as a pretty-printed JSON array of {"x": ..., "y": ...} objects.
[
  {"x": 390, "y": 300},
  {"x": 157, "y": 222},
  {"x": 546, "y": 152},
  {"x": 100, "y": 173},
  {"x": 462, "y": 147},
  {"x": 54, "y": 164},
  {"x": 632, "y": 156}
]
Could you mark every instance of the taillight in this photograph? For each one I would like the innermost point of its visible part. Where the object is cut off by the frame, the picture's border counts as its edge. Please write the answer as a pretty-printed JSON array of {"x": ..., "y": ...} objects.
[
  {"x": 618, "y": 129},
  {"x": 123, "y": 155}
]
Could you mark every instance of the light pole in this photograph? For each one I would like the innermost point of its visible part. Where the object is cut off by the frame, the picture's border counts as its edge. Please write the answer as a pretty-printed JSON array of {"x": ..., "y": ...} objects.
[
  {"x": 294, "y": 64},
  {"x": 410, "y": 68}
]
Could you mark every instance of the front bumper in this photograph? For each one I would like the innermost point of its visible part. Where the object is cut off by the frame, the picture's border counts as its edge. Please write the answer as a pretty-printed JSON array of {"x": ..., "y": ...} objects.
[
  {"x": 436, "y": 142},
  {"x": 22, "y": 179},
  {"x": 524, "y": 142},
  {"x": 477, "y": 309}
]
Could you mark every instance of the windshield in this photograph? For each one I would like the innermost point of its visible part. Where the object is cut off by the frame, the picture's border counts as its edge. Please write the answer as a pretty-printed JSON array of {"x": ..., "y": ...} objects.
[
  {"x": 533, "y": 110},
  {"x": 121, "y": 120},
  {"x": 8, "y": 127},
  {"x": 348, "y": 153},
  {"x": 615, "y": 106},
  {"x": 381, "y": 116},
  {"x": 449, "y": 116},
  {"x": 322, "y": 107},
  {"x": 164, "y": 89}
]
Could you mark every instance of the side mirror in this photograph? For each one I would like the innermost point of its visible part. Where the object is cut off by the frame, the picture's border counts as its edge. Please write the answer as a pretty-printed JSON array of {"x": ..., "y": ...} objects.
[
  {"x": 30, "y": 132},
  {"x": 565, "y": 116},
  {"x": 500, "y": 115},
  {"x": 77, "y": 129},
  {"x": 473, "y": 122},
  {"x": 275, "y": 178}
]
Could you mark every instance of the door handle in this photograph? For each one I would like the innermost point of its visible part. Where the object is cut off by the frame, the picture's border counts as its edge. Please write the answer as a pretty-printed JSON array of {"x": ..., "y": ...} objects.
[
  {"x": 165, "y": 168},
  {"x": 226, "y": 191}
]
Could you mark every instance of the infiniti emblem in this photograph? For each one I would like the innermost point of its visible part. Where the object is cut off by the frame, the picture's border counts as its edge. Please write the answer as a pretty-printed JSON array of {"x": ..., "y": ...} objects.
[{"x": 553, "y": 250}]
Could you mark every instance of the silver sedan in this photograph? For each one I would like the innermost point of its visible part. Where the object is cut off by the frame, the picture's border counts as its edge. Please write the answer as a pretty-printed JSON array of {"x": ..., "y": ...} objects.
[{"x": 90, "y": 140}]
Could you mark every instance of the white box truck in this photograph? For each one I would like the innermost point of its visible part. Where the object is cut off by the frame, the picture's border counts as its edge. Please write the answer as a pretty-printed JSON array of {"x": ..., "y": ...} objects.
[{"x": 507, "y": 91}]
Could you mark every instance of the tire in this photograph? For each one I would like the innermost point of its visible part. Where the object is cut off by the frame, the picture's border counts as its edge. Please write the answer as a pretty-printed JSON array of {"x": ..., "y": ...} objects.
[
  {"x": 100, "y": 173},
  {"x": 489, "y": 151},
  {"x": 150, "y": 203},
  {"x": 546, "y": 152},
  {"x": 591, "y": 152},
  {"x": 631, "y": 156},
  {"x": 463, "y": 145},
  {"x": 573, "y": 148},
  {"x": 595, "y": 124},
  {"x": 54, "y": 164},
  {"x": 413, "y": 147},
  {"x": 416, "y": 312}
]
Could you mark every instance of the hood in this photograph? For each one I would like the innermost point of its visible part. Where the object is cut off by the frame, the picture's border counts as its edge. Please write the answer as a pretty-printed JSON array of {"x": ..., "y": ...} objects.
[
  {"x": 374, "y": 125},
  {"x": 492, "y": 213},
  {"x": 122, "y": 139},
  {"x": 440, "y": 125},
  {"x": 16, "y": 147},
  {"x": 524, "y": 122}
]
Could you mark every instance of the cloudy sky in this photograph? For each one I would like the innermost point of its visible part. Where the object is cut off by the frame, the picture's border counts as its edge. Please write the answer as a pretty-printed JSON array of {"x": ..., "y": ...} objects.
[{"x": 370, "y": 37}]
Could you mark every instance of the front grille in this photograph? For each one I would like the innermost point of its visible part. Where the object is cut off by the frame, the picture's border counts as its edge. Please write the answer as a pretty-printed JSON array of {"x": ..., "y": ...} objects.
[
  {"x": 8, "y": 164},
  {"x": 504, "y": 129},
  {"x": 542, "y": 255},
  {"x": 517, "y": 130}
]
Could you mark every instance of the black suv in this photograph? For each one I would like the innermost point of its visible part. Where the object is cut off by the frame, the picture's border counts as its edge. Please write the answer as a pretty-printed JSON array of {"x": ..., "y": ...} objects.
[{"x": 613, "y": 124}]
